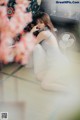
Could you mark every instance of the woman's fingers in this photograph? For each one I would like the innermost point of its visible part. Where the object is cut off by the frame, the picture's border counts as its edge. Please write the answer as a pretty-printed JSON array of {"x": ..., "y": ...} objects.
[{"x": 35, "y": 28}]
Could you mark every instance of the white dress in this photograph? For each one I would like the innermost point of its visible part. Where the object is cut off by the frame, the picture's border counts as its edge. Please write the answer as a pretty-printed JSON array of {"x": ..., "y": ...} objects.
[{"x": 50, "y": 65}]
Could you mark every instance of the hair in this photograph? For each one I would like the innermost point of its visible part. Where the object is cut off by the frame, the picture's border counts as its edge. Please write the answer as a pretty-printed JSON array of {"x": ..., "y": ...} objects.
[{"x": 44, "y": 17}]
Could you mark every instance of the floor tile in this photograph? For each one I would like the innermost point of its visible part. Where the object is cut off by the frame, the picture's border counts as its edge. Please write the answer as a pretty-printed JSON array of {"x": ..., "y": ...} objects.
[
  {"x": 3, "y": 76},
  {"x": 26, "y": 73},
  {"x": 15, "y": 110},
  {"x": 40, "y": 104},
  {"x": 10, "y": 68}
]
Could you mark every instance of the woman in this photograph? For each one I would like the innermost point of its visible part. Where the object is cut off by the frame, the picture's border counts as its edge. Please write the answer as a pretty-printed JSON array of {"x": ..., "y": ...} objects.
[{"x": 50, "y": 65}]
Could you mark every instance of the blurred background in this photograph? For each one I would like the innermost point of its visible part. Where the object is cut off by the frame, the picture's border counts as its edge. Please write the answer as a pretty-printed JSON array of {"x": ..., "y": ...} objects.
[{"x": 20, "y": 92}]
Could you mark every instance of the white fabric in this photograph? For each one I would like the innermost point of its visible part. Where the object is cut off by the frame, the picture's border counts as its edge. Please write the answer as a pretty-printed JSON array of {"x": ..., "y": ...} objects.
[{"x": 51, "y": 67}]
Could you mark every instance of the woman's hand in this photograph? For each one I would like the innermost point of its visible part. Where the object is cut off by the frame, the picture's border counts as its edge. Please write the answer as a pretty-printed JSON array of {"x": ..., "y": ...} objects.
[{"x": 34, "y": 29}]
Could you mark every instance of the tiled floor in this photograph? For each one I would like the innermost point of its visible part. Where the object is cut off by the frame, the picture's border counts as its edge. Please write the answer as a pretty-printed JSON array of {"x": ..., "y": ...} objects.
[{"x": 20, "y": 91}]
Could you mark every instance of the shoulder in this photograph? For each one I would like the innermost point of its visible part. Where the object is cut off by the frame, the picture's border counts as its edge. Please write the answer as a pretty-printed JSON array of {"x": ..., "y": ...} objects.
[
  {"x": 44, "y": 34},
  {"x": 41, "y": 36}
]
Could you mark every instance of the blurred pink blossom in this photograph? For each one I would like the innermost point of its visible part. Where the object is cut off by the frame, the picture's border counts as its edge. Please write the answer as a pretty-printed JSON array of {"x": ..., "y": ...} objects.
[{"x": 9, "y": 28}]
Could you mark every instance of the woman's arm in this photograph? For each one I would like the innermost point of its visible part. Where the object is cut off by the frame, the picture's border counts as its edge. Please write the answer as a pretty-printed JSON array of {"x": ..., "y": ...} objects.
[{"x": 41, "y": 36}]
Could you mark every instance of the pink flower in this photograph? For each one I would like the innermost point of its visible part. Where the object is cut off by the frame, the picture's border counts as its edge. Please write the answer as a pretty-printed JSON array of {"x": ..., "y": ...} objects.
[
  {"x": 3, "y": 2},
  {"x": 9, "y": 28},
  {"x": 24, "y": 2}
]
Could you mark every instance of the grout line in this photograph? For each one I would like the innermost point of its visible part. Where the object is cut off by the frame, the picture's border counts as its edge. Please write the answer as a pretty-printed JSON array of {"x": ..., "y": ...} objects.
[
  {"x": 8, "y": 76},
  {"x": 26, "y": 79},
  {"x": 17, "y": 69},
  {"x": 11, "y": 75},
  {"x": 12, "y": 72}
]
